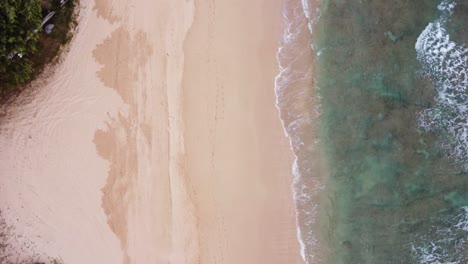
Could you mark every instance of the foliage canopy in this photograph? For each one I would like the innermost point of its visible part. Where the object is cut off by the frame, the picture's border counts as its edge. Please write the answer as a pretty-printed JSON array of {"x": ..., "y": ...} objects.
[{"x": 19, "y": 20}]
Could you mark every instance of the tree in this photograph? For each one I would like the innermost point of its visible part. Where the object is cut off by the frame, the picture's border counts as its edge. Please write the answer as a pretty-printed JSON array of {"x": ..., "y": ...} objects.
[{"x": 19, "y": 22}]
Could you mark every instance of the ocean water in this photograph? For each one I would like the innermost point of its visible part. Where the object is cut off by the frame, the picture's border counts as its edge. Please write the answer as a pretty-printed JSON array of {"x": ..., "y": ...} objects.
[{"x": 373, "y": 95}]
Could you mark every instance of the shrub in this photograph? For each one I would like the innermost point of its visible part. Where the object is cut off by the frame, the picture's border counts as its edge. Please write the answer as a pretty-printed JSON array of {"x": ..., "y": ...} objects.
[{"x": 19, "y": 22}]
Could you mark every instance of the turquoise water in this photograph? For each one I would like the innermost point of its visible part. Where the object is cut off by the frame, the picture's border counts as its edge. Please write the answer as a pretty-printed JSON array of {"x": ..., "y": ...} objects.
[
  {"x": 393, "y": 127},
  {"x": 380, "y": 101}
]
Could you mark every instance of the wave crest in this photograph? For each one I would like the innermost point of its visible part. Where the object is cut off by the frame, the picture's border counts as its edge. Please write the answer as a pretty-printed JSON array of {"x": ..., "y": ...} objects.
[
  {"x": 298, "y": 107},
  {"x": 446, "y": 62}
]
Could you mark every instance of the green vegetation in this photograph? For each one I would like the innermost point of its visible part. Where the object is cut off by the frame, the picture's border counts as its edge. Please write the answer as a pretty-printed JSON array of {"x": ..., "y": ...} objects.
[
  {"x": 25, "y": 49},
  {"x": 19, "y": 19}
]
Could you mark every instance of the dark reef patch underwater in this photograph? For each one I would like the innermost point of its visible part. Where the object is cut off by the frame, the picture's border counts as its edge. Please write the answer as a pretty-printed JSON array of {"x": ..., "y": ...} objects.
[{"x": 392, "y": 78}]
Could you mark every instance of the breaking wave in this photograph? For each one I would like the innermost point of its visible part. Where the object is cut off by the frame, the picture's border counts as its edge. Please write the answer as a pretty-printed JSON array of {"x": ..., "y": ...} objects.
[
  {"x": 446, "y": 63},
  {"x": 298, "y": 106},
  {"x": 445, "y": 245}
]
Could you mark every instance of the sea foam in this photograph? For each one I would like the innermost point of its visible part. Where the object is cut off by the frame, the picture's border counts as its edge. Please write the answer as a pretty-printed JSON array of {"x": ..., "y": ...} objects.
[
  {"x": 298, "y": 108},
  {"x": 446, "y": 245},
  {"x": 446, "y": 63}
]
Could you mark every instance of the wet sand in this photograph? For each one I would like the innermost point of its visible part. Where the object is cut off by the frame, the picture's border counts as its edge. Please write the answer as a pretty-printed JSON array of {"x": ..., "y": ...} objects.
[{"x": 155, "y": 141}]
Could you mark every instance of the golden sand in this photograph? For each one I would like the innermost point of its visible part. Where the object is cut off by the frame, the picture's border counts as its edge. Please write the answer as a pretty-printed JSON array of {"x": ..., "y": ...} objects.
[{"x": 156, "y": 141}]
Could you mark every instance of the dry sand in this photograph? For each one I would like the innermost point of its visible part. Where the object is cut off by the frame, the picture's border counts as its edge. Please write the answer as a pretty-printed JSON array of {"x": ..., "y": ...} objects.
[{"x": 155, "y": 141}]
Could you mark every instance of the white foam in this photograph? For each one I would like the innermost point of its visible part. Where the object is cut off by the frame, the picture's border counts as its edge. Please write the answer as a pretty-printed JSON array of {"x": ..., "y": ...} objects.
[
  {"x": 448, "y": 244},
  {"x": 462, "y": 220},
  {"x": 432, "y": 254},
  {"x": 297, "y": 18},
  {"x": 447, "y": 5},
  {"x": 446, "y": 62}
]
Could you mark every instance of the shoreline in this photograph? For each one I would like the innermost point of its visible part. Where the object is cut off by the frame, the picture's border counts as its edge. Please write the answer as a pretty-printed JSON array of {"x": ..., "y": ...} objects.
[
  {"x": 178, "y": 140},
  {"x": 299, "y": 109},
  {"x": 241, "y": 188}
]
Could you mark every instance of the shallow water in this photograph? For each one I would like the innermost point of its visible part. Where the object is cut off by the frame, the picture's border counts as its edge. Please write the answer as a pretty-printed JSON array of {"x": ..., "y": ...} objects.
[{"x": 392, "y": 82}]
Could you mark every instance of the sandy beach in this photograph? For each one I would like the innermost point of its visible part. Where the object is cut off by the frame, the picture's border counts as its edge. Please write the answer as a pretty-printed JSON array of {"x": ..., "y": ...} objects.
[{"x": 156, "y": 140}]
